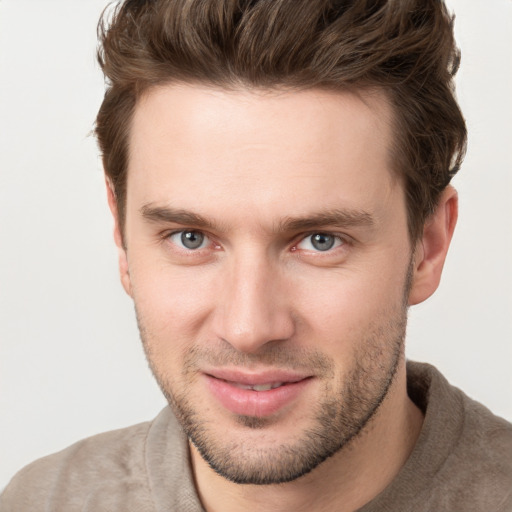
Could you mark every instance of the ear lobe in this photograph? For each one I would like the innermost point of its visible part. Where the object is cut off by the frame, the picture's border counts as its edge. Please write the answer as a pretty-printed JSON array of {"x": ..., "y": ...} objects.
[
  {"x": 431, "y": 249},
  {"x": 118, "y": 238}
]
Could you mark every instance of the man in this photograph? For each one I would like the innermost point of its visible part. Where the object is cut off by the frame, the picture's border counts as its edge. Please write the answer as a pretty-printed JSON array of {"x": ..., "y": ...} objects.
[{"x": 279, "y": 177}]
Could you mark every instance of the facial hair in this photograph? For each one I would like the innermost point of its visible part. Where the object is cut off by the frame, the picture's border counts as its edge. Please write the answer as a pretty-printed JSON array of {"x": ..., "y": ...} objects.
[{"x": 346, "y": 408}]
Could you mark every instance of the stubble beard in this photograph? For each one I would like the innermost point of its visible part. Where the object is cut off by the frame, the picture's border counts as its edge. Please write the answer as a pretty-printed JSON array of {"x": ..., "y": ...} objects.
[{"x": 339, "y": 418}]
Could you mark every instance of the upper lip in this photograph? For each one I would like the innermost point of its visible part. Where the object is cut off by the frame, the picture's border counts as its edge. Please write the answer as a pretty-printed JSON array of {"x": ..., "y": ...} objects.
[{"x": 256, "y": 378}]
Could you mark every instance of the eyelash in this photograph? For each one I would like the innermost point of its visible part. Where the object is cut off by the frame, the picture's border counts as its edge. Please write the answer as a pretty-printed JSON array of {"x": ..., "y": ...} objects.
[
  {"x": 337, "y": 241},
  {"x": 168, "y": 237}
]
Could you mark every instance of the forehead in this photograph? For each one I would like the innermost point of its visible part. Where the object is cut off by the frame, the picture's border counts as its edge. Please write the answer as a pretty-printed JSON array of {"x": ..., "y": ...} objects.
[{"x": 205, "y": 147}]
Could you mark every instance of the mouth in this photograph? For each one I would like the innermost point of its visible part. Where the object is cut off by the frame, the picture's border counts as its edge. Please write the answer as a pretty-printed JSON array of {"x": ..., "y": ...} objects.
[{"x": 258, "y": 394}]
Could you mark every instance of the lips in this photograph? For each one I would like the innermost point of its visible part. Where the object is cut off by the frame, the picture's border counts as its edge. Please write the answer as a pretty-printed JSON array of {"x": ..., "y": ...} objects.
[{"x": 259, "y": 394}]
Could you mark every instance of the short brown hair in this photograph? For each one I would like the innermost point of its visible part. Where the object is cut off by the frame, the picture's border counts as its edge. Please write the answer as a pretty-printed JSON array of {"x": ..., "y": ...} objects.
[{"x": 403, "y": 47}]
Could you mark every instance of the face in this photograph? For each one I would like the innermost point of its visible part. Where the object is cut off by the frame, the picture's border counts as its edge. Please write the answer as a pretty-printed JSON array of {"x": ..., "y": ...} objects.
[{"x": 267, "y": 254}]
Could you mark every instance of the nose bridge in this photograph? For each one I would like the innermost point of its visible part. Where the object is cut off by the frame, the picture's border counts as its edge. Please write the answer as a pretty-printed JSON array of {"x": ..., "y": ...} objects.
[{"x": 254, "y": 309}]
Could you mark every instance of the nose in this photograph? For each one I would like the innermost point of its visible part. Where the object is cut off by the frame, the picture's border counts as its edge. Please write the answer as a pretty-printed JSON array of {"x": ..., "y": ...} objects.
[{"x": 253, "y": 307}]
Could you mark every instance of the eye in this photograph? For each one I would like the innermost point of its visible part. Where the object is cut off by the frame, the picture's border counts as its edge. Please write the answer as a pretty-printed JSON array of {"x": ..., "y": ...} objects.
[
  {"x": 189, "y": 239},
  {"x": 320, "y": 242}
]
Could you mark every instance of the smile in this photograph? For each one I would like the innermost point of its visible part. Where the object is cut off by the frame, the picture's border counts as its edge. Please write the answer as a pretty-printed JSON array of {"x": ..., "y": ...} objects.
[{"x": 256, "y": 395}]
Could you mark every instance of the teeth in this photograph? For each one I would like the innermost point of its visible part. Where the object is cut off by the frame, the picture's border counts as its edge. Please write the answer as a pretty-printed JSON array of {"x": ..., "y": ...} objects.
[
  {"x": 258, "y": 387},
  {"x": 266, "y": 387}
]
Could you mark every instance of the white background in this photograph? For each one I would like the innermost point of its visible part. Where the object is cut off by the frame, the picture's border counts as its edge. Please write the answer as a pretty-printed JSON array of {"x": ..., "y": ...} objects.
[{"x": 71, "y": 364}]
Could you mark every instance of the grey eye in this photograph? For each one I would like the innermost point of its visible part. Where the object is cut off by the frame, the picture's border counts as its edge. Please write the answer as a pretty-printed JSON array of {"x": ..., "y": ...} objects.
[
  {"x": 192, "y": 239},
  {"x": 189, "y": 239},
  {"x": 322, "y": 241}
]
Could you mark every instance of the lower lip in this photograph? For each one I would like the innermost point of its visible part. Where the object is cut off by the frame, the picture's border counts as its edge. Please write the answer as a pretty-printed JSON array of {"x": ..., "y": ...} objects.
[{"x": 247, "y": 402}]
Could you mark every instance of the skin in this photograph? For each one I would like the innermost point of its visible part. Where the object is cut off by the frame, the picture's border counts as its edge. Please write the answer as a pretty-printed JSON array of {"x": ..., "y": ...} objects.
[{"x": 260, "y": 169}]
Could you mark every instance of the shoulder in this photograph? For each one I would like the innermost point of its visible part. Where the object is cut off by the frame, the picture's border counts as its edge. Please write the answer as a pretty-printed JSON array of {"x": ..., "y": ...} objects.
[
  {"x": 478, "y": 471},
  {"x": 485, "y": 446},
  {"x": 468, "y": 448},
  {"x": 101, "y": 469},
  {"x": 483, "y": 440}
]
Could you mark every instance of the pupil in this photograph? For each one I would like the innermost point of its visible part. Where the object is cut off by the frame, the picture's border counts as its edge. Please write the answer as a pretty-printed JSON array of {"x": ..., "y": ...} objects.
[
  {"x": 192, "y": 239},
  {"x": 322, "y": 242}
]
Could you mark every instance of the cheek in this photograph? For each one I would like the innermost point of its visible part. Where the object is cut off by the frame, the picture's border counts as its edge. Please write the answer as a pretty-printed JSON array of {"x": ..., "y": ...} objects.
[
  {"x": 343, "y": 306},
  {"x": 172, "y": 303}
]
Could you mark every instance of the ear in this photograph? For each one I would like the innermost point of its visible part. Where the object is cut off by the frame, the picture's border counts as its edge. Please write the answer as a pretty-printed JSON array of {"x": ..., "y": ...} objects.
[
  {"x": 118, "y": 238},
  {"x": 431, "y": 249}
]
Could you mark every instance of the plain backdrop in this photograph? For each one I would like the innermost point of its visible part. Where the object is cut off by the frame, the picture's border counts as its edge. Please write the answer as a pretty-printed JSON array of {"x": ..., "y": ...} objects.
[{"x": 71, "y": 364}]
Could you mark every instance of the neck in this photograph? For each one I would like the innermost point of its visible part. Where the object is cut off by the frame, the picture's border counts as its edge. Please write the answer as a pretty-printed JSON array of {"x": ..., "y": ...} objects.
[{"x": 345, "y": 482}]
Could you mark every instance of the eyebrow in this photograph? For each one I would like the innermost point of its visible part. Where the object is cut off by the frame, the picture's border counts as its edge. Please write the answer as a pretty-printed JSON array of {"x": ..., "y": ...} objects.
[
  {"x": 341, "y": 218},
  {"x": 167, "y": 214},
  {"x": 338, "y": 217}
]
